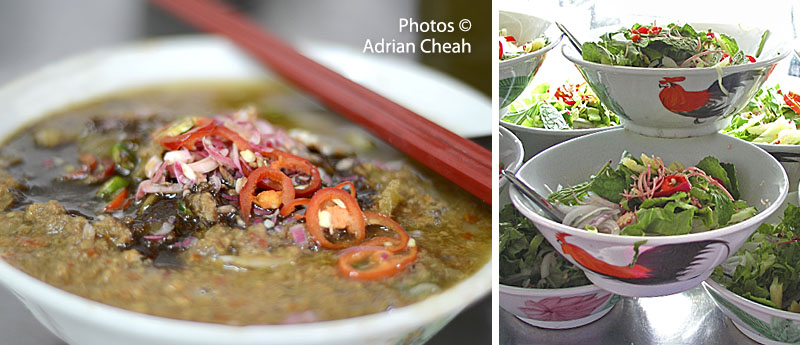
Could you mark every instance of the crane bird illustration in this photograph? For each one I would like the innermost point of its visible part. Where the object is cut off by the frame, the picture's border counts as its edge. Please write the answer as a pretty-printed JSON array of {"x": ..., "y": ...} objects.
[
  {"x": 651, "y": 267},
  {"x": 711, "y": 102}
]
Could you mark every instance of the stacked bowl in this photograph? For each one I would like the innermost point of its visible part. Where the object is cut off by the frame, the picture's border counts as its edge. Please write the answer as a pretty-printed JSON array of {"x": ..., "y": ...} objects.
[{"x": 652, "y": 105}]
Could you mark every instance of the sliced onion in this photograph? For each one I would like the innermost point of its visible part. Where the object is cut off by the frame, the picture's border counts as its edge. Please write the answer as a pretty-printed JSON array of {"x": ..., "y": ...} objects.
[
  {"x": 298, "y": 234},
  {"x": 235, "y": 158},
  {"x": 148, "y": 187},
  {"x": 218, "y": 154},
  {"x": 204, "y": 165},
  {"x": 166, "y": 228},
  {"x": 188, "y": 242},
  {"x": 182, "y": 155},
  {"x": 153, "y": 237}
]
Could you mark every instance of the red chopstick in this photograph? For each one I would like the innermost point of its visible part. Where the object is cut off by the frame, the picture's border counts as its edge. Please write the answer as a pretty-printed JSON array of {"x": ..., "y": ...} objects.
[{"x": 460, "y": 160}]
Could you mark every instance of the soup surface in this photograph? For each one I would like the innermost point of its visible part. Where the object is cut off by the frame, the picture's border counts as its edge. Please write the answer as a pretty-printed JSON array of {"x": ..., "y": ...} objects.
[{"x": 110, "y": 201}]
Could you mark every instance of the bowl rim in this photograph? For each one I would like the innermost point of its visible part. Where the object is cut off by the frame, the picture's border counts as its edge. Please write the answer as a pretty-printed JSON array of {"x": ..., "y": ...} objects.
[
  {"x": 571, "y": 54},
  {"x": 528, "y": 56},
  {"x": 730, "y": 295},
  {"x": 575, "y": 290},
  {"x": 758, "y": 218},
  {"x": 517, "y": 144},
  {"x": 545, "y": 131},
  {"x": 441, "y": 306}
]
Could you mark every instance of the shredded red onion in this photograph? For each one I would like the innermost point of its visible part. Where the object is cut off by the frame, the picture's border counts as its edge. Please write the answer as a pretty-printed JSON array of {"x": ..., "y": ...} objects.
[
  {"x": 147, "y": 187},
  {"x": 230, "y": 197},
  {"x": 235, "y": 159},
  {"x": 215, "y": 181},
  {"x": 262, "y": 212},
  {"x": 158, "y": 175},
  {"x": 204, "y": 165},
  {"x": 182, "y": 155},
  {"x": 218, "y": 154},
  {"x": 187, "y": 242},
  {"x": 298, "y": 234},
  {"x": 153, "y": 237}
]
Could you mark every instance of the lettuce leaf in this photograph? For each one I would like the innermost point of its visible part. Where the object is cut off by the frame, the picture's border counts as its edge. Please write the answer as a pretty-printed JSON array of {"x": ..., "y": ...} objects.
[{"x": 661, "y": 221}]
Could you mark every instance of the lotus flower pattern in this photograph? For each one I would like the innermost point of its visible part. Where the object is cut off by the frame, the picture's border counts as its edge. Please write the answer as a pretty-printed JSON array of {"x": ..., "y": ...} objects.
[{"x": 563, "y": 308}]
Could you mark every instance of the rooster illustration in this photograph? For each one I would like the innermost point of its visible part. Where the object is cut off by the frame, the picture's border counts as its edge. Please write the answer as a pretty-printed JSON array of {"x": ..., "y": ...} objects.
[
  {"x": 710, "y": 102},
  {"x": 650, "y": 268}
]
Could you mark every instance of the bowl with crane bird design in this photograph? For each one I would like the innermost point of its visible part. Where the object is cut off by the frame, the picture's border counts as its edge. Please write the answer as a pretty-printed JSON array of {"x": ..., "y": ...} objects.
[
  {"x": 683, "y": 102},
  {"x": 517, "y": 72},
  {"x": 644, "y": 266}
]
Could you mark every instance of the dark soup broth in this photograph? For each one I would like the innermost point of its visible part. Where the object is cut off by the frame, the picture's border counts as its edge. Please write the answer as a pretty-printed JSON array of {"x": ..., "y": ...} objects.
[{"x": 230, "y": 202}]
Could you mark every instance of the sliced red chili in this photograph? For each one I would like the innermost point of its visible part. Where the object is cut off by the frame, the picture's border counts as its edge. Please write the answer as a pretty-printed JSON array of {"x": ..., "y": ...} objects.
[
  {"x": 178, "y": 141},
  {"x": 350, "y": 217},
  {"x": 399, "y": 243},
  {"x": 372, "y": 264},
  {"x": 348, "y": 184},
  {"x": 671, "y": 185},
  {"x": 654, "y": 30},
  {"x": 287, "y": 209},
  {"x": 793, "y": 101},
  {"x": 636, "y": 37},
  {"x": 120, "y": 202},
  {"x": 190, "y": 138},
  {"x": 501, "y": 49},
  {"x": 277, "y": 179},
  {"x": 643, "y": 30},
  {"x": 750, "y": 58},
  {"x": 290, "y": 162},
  {"x": 565, "y": 95}
]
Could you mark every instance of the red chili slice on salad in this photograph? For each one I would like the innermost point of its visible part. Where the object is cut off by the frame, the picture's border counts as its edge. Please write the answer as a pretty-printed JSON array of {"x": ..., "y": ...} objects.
[{"x": 673, "y": 184}]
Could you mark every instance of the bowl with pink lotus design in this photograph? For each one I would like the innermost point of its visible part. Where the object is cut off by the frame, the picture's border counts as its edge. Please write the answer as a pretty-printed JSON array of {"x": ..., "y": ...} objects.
[
  {"x": 679, "y": 100},
  {"x": 557, "y": 308}
]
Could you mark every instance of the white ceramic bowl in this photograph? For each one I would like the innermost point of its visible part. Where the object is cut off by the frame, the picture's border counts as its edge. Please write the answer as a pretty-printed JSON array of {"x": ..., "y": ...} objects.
[
  {"x": 77, "y": 320},
  {"x": 635, "y": 93},
  {"x": 535, "y": 140},
  {"x": 510, "y": 154},
  {"x": 763, "y": 324},
  {"x": 789, "y": 157},
  {"x": 556, "y": 308},
  {"x": 762, "y": 183},
  {"x": 516, "y": 73}
]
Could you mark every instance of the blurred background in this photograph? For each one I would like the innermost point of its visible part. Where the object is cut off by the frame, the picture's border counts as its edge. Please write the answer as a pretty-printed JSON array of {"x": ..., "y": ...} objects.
[{"x": 35, "y": 33}]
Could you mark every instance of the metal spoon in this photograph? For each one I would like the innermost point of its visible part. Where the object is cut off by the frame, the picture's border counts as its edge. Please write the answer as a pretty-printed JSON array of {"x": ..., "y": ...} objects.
[
  {"x": 526, "y": 190},
  {"x": 572, "y": 39}
]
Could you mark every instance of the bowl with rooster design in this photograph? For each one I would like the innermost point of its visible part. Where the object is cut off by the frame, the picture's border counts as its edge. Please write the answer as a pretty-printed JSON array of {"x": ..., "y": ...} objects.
[
  {"x": 666, "y": 264},
  {"x": 682, "y": 102}
]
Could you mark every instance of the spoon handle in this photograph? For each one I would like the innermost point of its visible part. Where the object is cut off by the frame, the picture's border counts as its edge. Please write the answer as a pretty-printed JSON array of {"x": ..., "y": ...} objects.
[
  {"x": 572, "y": 39},
  {"x": 526, "y": 190}
]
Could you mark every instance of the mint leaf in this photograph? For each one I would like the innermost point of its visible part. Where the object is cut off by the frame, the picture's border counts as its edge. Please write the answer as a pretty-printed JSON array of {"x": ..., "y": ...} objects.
[{"x": 610, "y": 184}]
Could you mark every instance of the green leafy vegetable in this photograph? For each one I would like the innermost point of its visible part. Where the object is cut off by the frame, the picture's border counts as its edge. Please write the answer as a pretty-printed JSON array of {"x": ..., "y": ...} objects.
[
  {"x": 670, "y": 46},
  {"x": 766, "y": 269},
  {"x": 569, "y": 106},
  {"x": 661, "y": 221},
  {"x": 525, "y": 254}
]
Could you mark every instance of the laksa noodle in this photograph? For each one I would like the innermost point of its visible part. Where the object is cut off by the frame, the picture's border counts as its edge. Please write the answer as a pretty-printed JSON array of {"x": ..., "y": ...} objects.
[{"x": 230, "y": 203}]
